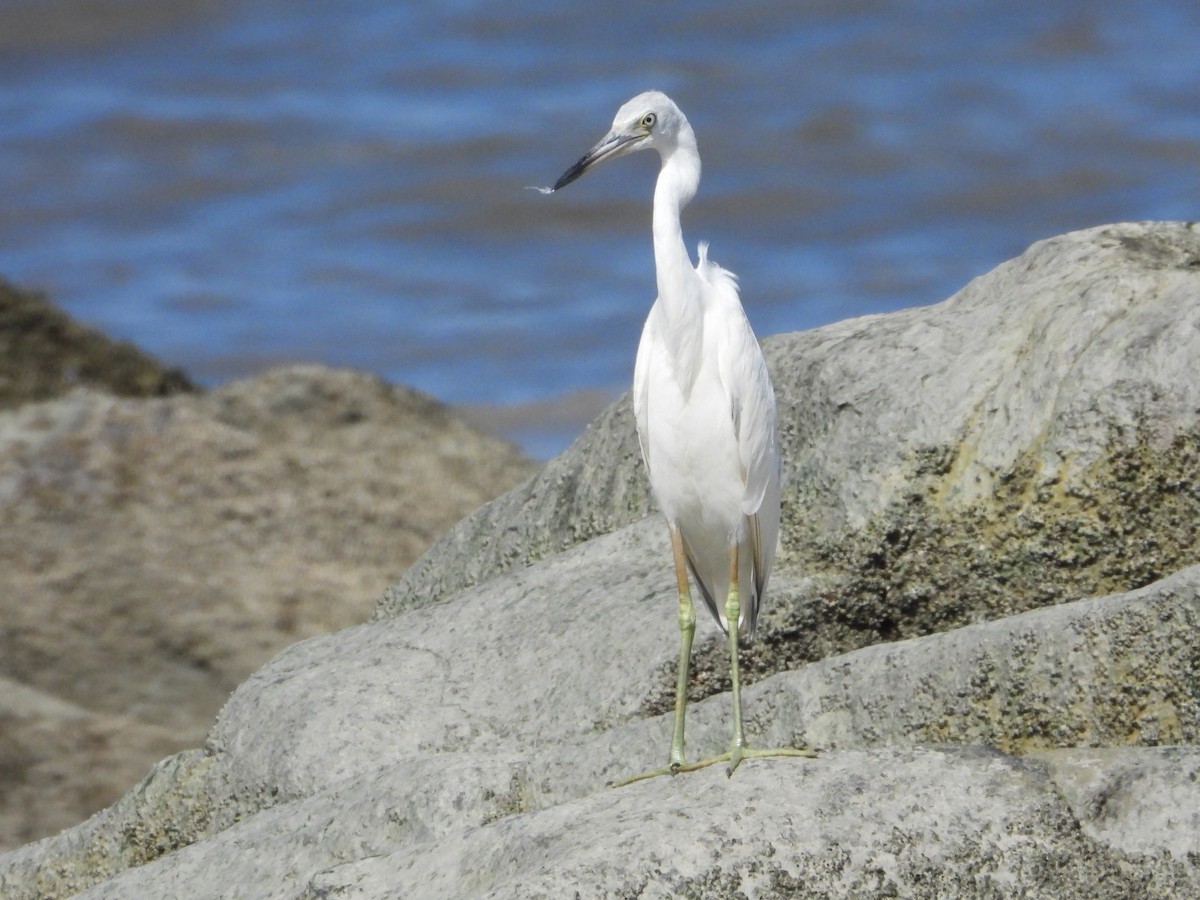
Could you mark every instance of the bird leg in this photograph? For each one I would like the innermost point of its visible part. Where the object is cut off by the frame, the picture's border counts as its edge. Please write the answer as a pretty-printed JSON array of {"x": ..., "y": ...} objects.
[
  {"x": 738, "y": 748},
  {"x": 687, "y": 630},
  {"x": 733, "y": 618}
]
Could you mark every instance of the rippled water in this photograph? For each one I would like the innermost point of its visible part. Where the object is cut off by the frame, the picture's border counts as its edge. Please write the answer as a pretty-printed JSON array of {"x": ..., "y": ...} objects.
[{"x": 234, "y": 184}]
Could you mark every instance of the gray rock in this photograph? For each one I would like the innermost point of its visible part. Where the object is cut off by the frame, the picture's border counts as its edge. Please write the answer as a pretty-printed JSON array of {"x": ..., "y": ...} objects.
[
  {"x": 949, "y": 822},
  {"x": 927, "y": 821},
  {"x": 1032, "y": 380},
  {"x": 1117, "y": 794},
  {"x": 1052, "y": 358},
  {"x": 349, "y": 746},
  {"x": 958, "y": 479}
]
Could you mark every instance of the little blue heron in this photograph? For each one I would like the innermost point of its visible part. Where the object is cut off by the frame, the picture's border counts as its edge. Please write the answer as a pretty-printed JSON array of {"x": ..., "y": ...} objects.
[{"x": 705, "y": 415}]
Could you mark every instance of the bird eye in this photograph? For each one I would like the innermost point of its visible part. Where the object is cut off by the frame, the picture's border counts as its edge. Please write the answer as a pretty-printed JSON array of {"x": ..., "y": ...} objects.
[{"x": 648, "y": 120}]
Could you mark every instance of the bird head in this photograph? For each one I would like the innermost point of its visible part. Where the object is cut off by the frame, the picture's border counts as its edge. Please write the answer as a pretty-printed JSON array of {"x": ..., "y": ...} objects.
[{"x": 648, "y": 121}]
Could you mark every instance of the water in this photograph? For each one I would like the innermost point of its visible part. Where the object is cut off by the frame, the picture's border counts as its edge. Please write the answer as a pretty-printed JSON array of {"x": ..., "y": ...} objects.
[{"x": 236, "y": 184}]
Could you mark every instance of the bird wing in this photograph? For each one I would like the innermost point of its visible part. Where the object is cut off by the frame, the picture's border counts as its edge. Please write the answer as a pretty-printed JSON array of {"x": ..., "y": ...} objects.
[
  {"x": 641, "y": 383},
  {"x": 743, "y": 372}
]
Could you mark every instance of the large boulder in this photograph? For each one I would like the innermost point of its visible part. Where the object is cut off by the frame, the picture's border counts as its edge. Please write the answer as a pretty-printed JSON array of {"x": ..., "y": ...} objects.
[
  {"x": 460, "y": 755},
  {"x": 983, "y": 618},
  {"x": 1043, "y": 394}
]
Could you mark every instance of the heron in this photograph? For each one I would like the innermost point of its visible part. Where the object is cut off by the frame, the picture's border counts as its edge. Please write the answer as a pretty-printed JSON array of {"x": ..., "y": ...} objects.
[{"x": 705, "y": 412}]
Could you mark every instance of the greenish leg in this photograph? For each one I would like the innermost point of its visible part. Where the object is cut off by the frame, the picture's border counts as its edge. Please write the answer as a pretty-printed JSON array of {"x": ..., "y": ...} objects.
[
  {"x": 733, "y": 614},
  {"x": 738, "y": 750},
  {"x": 687, "y": 631}
]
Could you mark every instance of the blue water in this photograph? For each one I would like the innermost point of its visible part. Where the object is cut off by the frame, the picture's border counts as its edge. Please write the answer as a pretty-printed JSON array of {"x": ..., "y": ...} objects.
[{"x": 232, "y": 185}]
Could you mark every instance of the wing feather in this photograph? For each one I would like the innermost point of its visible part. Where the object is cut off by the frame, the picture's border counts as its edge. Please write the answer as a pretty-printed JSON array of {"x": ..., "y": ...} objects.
[{"x": 743, "y": 371}]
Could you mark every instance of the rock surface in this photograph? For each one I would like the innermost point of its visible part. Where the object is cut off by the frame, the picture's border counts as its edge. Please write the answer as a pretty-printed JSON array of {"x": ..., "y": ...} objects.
[
  {"x": 374, "y": 777},
  {"x": 158, "y": 551},
  {"x": 984, "y": 617}
]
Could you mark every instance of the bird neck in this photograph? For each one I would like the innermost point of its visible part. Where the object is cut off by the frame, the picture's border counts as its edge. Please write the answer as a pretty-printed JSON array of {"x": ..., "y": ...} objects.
[
  {"x": 677, "y": 183},
  {"x": 680, "y": 292}
]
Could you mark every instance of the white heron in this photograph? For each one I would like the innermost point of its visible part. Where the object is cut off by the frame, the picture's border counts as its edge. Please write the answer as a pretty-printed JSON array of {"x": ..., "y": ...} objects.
[{"x": 705, "y": 415}]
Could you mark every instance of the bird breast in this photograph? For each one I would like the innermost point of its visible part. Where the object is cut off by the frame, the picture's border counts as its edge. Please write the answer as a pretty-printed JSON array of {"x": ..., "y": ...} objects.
[{"x": 691, "y": 444}]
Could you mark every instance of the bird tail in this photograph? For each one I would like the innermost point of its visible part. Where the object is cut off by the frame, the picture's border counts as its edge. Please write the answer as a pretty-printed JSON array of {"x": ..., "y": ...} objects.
[
  {"x": 750, "y": 604},
  {"x": 709, "y": 600}
]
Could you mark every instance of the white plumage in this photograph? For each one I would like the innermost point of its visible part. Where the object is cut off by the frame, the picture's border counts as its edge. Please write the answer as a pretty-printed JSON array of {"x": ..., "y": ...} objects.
[
  {"x": 706, "y": 422},
  {"x": 704, "y": 406}
]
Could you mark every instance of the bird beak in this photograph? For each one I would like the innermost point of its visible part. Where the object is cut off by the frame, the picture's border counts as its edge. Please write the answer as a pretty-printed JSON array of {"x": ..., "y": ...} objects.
[{"x": 612, "y": 146}]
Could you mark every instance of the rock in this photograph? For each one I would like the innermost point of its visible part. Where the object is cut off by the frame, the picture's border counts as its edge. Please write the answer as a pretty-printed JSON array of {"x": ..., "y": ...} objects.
[
  {"x": 888, "y": 822},
  {"x": 1016, "y": 413},
  {"x": 1030, "y": 441},
  {"x": 942, "y": 465},
  {"x": 353, "y": 763},
  {"x": 953, "y": 821},
  {"x": 44, "y": 353},
  {"x": 984, "y": 616},
  {"x": 1117, "y": 794},
  {"x": 157, "y": 551}
]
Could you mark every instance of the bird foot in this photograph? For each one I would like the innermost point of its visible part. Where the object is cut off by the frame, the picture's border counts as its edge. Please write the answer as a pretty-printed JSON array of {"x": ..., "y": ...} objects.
[
  {"x": 734, "y": 757},
  {"x": 672, "y": 769}
]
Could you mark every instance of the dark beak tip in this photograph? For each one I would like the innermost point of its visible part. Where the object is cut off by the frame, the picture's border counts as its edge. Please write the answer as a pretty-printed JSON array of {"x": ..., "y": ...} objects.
[{"x": 570, "y": 175}]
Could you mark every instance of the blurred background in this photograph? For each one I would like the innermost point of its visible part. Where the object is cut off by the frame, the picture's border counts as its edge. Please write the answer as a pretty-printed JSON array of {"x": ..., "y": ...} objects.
[{"x": 233, "y": 184}]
